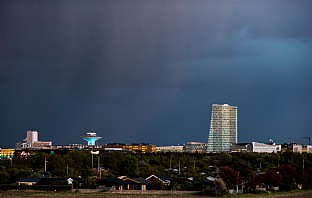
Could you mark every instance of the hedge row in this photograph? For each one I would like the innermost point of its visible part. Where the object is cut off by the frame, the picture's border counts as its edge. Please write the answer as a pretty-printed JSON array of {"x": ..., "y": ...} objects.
[{"x": 36, "y": 187}]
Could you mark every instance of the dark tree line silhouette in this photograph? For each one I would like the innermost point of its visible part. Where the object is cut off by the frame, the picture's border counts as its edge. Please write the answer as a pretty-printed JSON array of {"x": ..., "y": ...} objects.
[{"x": 287, "y": 171}]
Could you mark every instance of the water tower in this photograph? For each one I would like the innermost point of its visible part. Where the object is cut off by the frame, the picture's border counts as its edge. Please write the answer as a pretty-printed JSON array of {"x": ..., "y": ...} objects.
[{"x": 91, "y": 137}]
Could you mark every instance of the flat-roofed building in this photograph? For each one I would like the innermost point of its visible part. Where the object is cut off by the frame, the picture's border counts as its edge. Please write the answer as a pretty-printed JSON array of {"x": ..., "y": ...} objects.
[
  {"x": 7, "y": 153},
  {"x": 258, "y": 147},
  {"x": 297, "y": 148},
  {"x": 223, "y": 128},
  {"x": 174, "y": 149},
  {"x": 307, "y": 149},
  {"x": 239, "y": 147},
  {"x": 195, "y": 147},
  {"x": 140, "y": 148},
  {"x": 41, "y": 144},
  {"x": 31, "y": 141},
  {"x": 292, "y": 147}
]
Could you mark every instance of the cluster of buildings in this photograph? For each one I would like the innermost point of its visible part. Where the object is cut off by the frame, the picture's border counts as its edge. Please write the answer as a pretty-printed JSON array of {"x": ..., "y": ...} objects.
[
  {"x": 31, "y": 141},
  {"x": 222, "y": 138}
]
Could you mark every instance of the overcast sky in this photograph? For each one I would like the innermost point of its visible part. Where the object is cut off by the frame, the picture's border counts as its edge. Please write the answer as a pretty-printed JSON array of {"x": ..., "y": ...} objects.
[{"x": 150, "y": 70}]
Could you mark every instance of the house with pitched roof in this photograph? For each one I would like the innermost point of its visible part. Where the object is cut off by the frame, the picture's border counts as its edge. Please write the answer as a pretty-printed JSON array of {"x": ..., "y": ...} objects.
[{"x": 123, "y": 183}]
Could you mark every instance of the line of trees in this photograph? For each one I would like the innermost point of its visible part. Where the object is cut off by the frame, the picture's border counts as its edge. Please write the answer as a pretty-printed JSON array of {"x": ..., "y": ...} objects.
[{"x": 284, "y": 170}]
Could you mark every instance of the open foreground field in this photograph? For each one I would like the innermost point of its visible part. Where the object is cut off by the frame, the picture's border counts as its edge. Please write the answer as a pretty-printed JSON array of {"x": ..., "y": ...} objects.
[{"x": 26, "y": 194}]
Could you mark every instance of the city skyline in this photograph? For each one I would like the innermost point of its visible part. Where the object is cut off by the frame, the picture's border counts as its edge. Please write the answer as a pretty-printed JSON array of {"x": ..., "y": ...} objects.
[{"x": 148, "y": 71}]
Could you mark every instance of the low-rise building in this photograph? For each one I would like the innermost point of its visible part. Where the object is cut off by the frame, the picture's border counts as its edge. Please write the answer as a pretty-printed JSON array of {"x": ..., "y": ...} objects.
[
  {"x": 178, "y": 149},
  {"x": 7, "y": 153},
  {"x": 140, "y": 148},
  {"x": 292, "y": 147},
  {"x": 258, "y": 147},
  {"x": 195, "y": 147},
  {"x": 239, "y": 147},
  {"x": 27, "y": 181},
  {"x": 31, "y": 141},
  {"x": 164, "y": 179},
  {"x": 123, "y": 183},
  {"x": 307, "y": 149}
]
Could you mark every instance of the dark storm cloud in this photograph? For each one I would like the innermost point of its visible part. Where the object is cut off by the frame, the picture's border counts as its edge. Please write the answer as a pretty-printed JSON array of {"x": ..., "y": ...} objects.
[{"x": 133, "y": 69}]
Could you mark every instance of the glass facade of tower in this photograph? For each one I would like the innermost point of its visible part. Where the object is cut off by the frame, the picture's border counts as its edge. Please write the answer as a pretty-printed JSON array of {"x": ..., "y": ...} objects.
[{"x": 223, "y": 128}]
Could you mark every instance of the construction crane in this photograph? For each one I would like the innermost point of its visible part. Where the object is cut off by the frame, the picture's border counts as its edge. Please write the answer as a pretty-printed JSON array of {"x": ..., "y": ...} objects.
[{"x": 309, "y": 138}]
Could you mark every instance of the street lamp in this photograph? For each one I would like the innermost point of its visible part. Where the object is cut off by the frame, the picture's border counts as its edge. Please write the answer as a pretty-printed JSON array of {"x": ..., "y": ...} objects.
[
  {"x": 94, "y": 153},
  {"x": 45, "y": 164}
]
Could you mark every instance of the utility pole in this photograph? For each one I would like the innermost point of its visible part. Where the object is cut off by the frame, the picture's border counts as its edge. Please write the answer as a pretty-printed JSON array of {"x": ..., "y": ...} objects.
[
  {"x": 98, "y": 163},
  {"x": 302, "y": 167},
  {"x": 45, "y": 164},
  {"x": 194, "y": 163},
  {"x": 92, "y": 160},
  {"x": 170, "y": 163}
]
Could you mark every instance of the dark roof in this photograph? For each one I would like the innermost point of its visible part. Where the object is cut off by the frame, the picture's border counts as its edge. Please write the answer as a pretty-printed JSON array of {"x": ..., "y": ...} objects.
[
  {"x": 49, "y": 180},
  {"x": 128, "y": 180},
  {"x": 136, "y": 180},
  {"x": 164, "y": 178},
  {"x": 29, "y": 180}
]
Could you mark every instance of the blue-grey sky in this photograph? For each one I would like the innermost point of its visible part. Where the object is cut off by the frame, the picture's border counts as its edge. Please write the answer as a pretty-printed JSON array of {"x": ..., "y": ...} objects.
[{"x": 149, "y": 70}]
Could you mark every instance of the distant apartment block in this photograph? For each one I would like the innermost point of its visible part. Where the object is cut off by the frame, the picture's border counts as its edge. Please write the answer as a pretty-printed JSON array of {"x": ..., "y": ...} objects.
[
  {"x": 258, "y": 147},
  {"x": 195, "y": 147},
  {"x": 239, "y": 147},
  {"x": 135, "y": 147},
  {"x": 31, "y": 141},
  {"x": 307, "y": 149},
  {"x": 7, "y": 153},
  {"x": 141, "y": 148},
  {"x": 172, "y": 149},
  {"x": 223, "y": 128},
  {"x": 292, "y": 147}
]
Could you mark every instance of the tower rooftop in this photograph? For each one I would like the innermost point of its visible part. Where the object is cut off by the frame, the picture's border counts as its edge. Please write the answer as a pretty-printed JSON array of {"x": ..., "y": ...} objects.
[{"x": 91, "y": 138}]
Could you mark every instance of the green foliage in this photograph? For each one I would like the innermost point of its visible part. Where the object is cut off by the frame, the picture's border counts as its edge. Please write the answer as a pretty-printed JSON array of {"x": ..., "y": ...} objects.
[
  {"x": 233, "y": 168},
  {"x": 4, "y": 175},
  {"x": 307, "y": 183},
  {"x": 89, "y": 182},
  {"x": 156, "y": 185},
  {"x": 220, "y": 188},
  {"x": 128, "y": 166},
  {"x": 289, "y": 177},
  {"x": 57, "y": 166}
]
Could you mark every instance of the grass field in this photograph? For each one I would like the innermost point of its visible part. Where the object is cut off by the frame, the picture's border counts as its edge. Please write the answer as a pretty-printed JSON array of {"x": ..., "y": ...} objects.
[{"x": 26, "y": 194}]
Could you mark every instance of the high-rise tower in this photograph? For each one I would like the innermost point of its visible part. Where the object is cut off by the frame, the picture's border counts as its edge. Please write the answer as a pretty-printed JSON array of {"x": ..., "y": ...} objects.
[{"x": 223, "y": 128}]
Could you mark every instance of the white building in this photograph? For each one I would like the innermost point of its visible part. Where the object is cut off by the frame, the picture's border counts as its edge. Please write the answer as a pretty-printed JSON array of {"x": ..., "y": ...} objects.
[
  {"x": 178, "y": 149},
  {"x": 31, "y": 141},
  {"x": 257, "y": 147},
  {"x": 309, "y": 148},
  {"x": 223, "y": 128},
  {"x": 296, "y": 148},
  {"x": 31, "y": 137}
]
